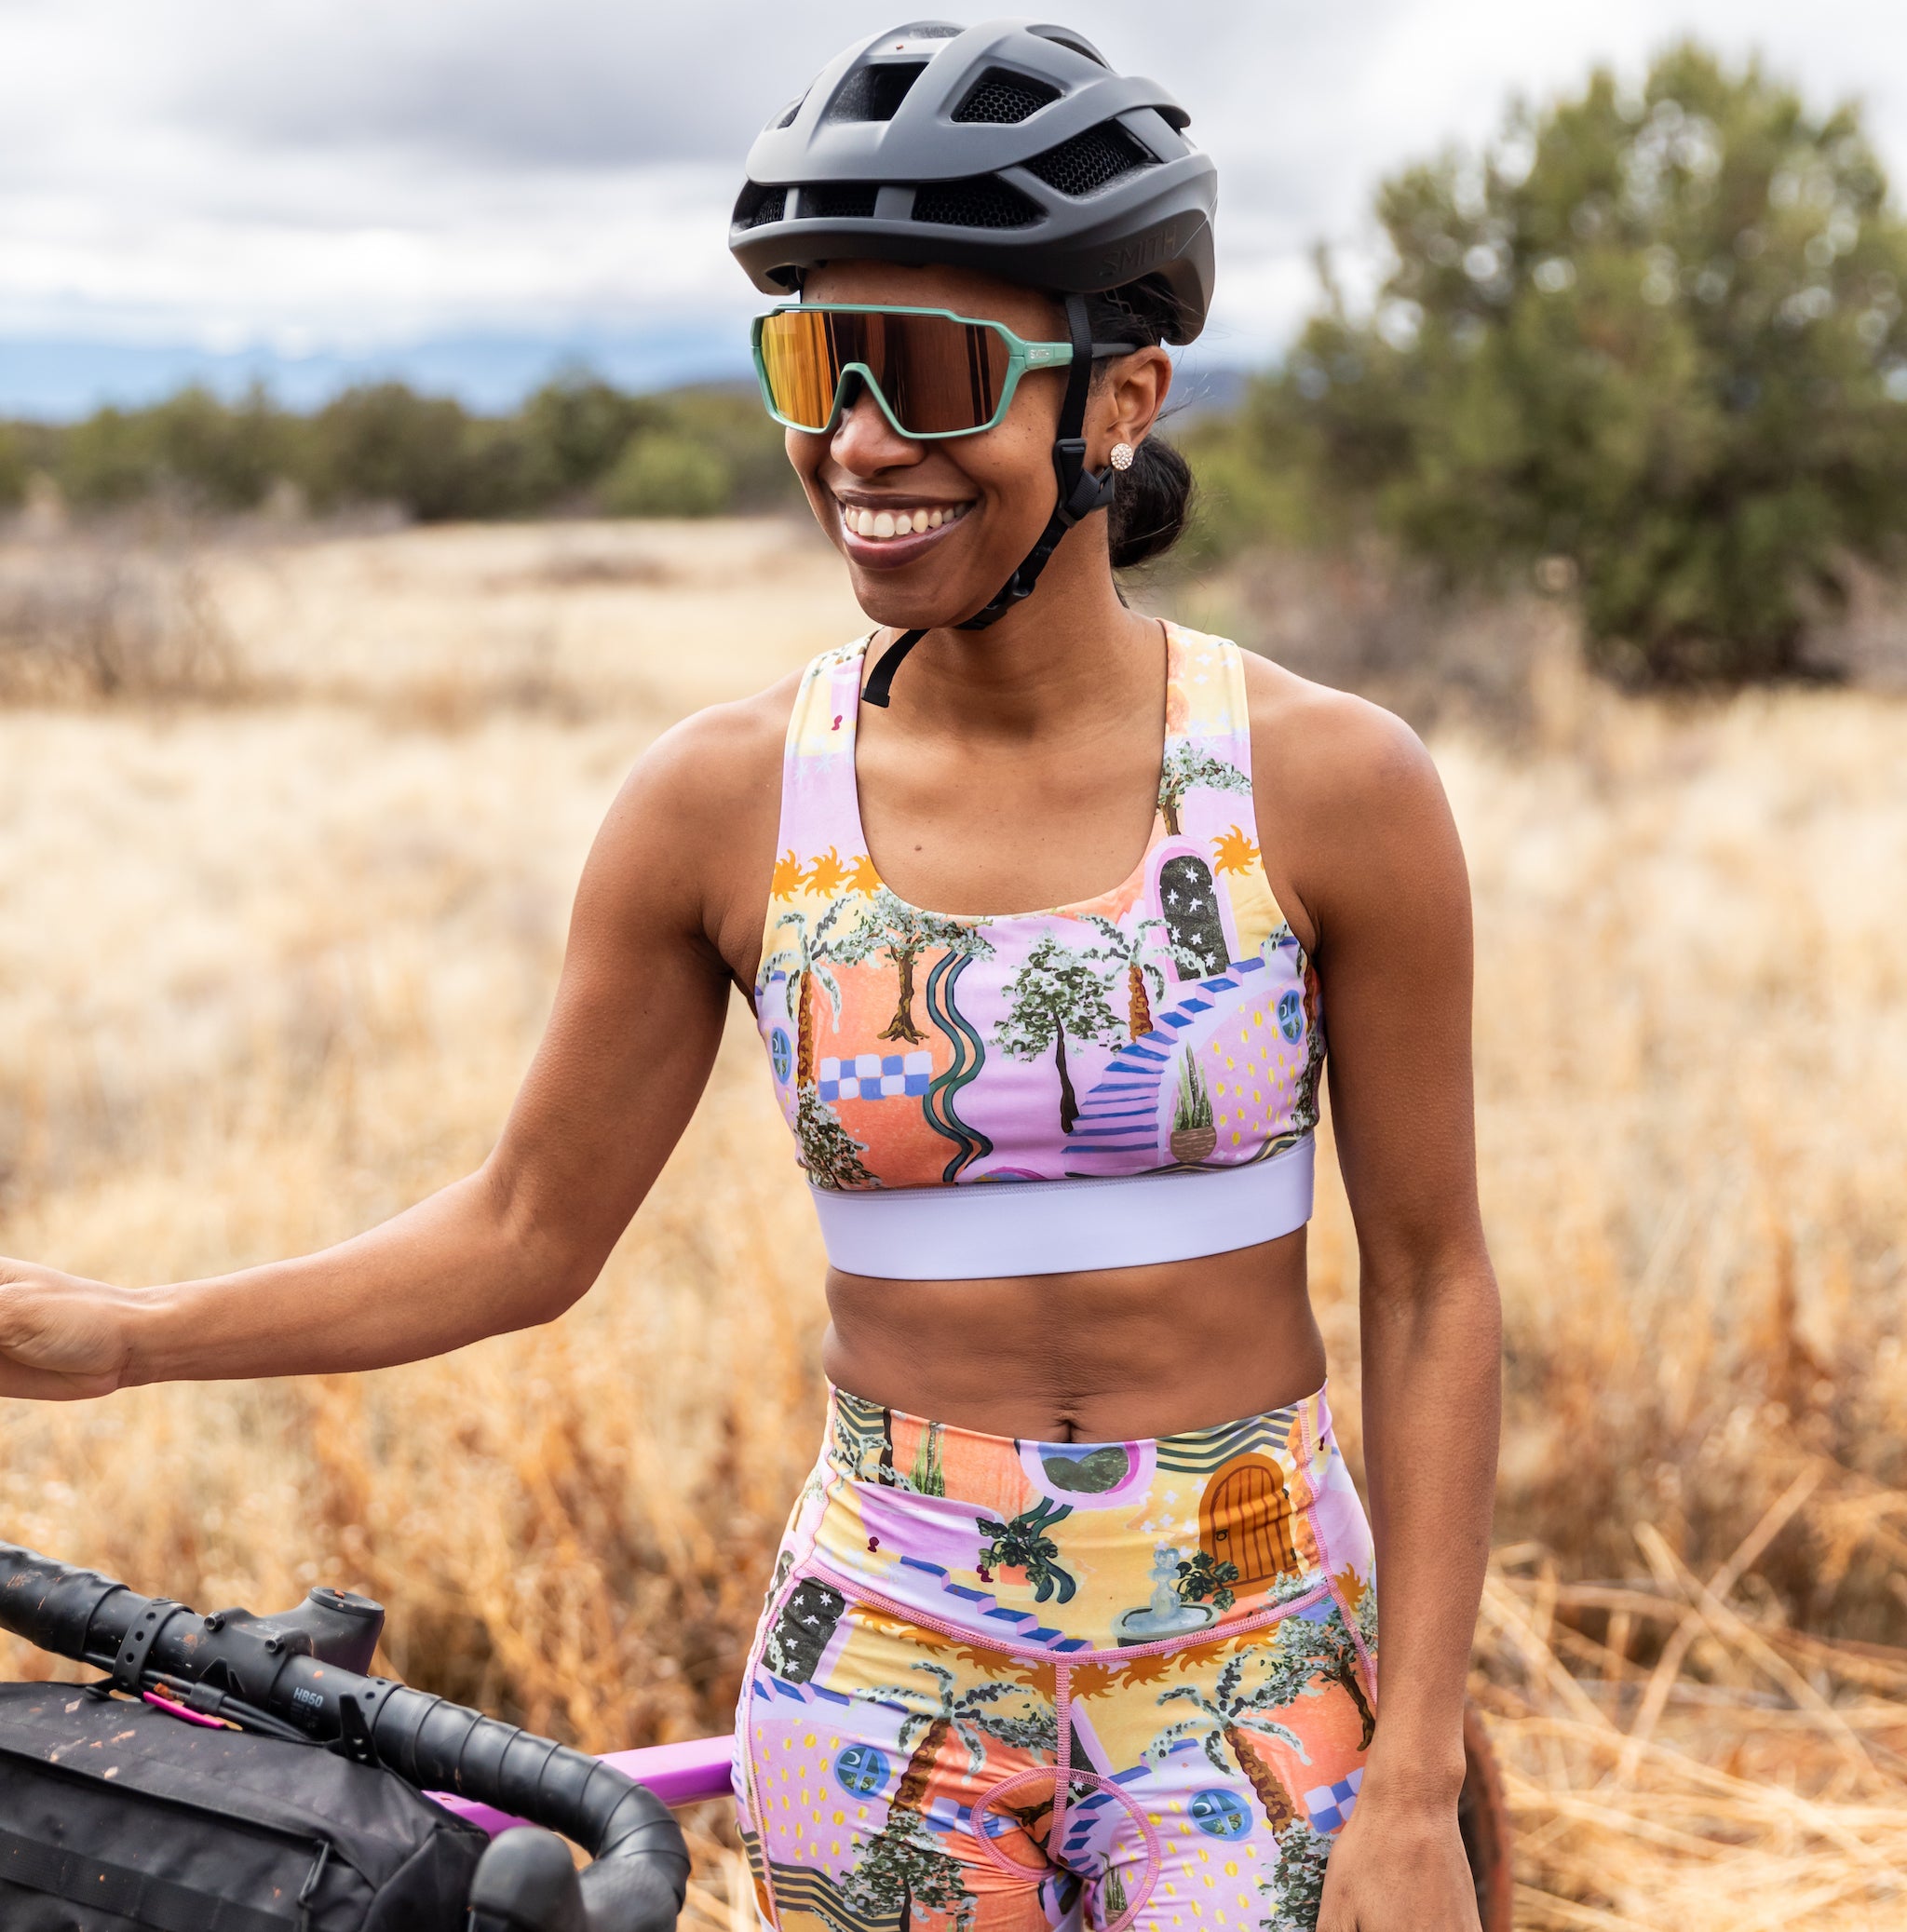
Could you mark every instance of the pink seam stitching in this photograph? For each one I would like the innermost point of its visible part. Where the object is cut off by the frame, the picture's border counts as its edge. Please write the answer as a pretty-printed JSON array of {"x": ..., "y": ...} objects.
[
  {"x": 770, "y": 1611},
  {"x": 1155, "y": 1854},
  {"x": 1062, "y": 1765},
  {"x": 1314, "y": 1454},
  {"x": 857, "y": 1592}
]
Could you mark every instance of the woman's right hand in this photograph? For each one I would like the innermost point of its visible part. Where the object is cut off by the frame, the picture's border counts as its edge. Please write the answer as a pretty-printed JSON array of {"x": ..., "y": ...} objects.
[{"x": 61, "y": 1337}]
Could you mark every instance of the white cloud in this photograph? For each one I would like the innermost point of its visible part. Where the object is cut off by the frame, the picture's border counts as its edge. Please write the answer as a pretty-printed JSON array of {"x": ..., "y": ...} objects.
[{"x": 223, "y": 171}]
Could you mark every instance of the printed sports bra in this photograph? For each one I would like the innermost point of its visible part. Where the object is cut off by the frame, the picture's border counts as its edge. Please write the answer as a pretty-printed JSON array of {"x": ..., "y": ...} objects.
[{"x": 1130, "y": 1079}]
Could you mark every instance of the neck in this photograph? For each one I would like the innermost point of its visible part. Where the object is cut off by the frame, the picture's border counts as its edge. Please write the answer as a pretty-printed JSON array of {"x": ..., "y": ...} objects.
[{"x": 1068, "y": 654}]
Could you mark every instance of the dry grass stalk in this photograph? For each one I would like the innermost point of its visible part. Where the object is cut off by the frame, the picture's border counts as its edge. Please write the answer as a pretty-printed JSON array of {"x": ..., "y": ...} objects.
[{"x": 272, "y": 970}]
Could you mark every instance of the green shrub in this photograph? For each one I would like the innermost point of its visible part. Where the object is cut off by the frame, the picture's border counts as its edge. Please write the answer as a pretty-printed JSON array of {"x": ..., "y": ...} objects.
[
  {"x": 1661, "y": 338},
  {"x": 666, "y": 473},
  {"x": 579, "y": 425},
  {"x": 14, "y": 467}
]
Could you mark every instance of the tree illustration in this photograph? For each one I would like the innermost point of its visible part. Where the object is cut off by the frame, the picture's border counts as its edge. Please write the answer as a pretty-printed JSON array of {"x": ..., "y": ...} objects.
[
  {"x": 805, "y": 959},
  {"x": 1058, "y": 991},
  {"x": 892, "y": 928},
  {"x": 1309, "y": 1654},
  {"x": 1226, "y": 1718},
  {"x": 1024, "y": 1543},
  {"x": 1186, "y": 768},
  {"x": 1295, "y": 1889},
  {"x": 1129, "y": 950},
  {"x": 903, "y": 1866},
  {"x": 829, "y": 1151}
]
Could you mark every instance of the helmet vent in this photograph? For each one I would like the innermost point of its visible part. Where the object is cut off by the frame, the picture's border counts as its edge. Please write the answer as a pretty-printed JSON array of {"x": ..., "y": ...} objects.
[
  {"x": 839, "y": 201},
  {"x": 1003, "y": 98},
  {"x": 873, "y": 93},
  {"x": 1071, "y": 42},
  {"x": 787, "y": 120},
  {"x": 1089, "y": 161},
  {"x": 979, "y": 201},
  {"x": 757, "y": 206}
]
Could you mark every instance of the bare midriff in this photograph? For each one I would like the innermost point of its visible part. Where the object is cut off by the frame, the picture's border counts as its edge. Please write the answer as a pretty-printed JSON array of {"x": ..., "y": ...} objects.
[{"x": 1115, "y": 1355}]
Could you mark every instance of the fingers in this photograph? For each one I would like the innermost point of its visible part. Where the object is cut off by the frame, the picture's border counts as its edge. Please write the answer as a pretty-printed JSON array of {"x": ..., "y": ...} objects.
[{"x": 61, "y": 1340}]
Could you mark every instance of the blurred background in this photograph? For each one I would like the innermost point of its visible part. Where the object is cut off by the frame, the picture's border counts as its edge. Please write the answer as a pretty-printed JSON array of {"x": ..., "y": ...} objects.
[{"x": 379, "y": 472}]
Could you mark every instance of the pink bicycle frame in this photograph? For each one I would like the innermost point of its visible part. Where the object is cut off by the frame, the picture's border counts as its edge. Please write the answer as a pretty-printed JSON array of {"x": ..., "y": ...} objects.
[{"x": 678, "y": 1774}]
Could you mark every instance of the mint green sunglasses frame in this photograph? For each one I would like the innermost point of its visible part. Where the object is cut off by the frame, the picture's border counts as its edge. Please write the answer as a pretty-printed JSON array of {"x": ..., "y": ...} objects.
[{"x": 1022, "y": 355}]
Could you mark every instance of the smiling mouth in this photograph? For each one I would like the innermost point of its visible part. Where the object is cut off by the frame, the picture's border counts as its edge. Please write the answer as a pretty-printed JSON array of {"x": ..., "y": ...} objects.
[{"x": 903, "y": 520}]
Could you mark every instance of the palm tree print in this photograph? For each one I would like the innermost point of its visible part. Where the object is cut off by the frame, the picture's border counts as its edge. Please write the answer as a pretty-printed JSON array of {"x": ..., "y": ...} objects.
[
  {"x": 903, "y": 1866},
  {"x": 1188, "y": 768},
  {"x": 1058, "y": 991},
  {"x": 1130, "y": 949},
  {"x": 902, "y": 933},
  {"x": 1024, "y": 1543},
  {"x": 1227, "y": 1718},
  {"x": 805, "y": 959},
  {"x": 969, "y": 1717}
]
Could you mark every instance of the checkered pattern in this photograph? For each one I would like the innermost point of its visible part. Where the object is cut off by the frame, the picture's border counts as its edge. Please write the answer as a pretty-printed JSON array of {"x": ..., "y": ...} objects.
[
  {"x": 876, "y": 1076},
  {"x": 1332, "y": 1804}
]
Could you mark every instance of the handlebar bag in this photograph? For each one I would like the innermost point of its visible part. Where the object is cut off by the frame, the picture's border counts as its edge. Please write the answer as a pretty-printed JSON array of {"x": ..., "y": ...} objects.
[{"x": 114, "y": 1813}]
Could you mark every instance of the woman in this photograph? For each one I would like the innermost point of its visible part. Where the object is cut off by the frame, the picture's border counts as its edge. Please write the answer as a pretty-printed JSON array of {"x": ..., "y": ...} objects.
[{"x": 1078, "y": 1605}]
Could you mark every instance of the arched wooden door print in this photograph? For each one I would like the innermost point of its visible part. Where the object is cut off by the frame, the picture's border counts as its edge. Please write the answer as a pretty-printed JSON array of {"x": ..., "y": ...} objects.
[{"x": 1245, "y": 1518}]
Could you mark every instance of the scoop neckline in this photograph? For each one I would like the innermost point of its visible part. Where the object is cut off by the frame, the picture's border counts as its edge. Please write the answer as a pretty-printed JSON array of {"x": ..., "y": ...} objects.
[{"x": 1072, "y": 909}]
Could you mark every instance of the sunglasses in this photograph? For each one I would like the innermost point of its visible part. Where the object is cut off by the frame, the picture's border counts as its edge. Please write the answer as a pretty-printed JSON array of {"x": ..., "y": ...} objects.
[{"x": 932, "y": 374}]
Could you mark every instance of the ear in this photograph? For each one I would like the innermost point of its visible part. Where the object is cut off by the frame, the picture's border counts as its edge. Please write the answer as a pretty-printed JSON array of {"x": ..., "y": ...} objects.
[{"x": 1126, "y": 402}]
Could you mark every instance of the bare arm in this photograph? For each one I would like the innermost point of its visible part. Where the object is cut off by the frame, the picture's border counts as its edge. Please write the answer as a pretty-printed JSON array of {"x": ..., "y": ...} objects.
[
  {"x": 1378, "y": 868},
  {"x": 637, "y": 1020}
]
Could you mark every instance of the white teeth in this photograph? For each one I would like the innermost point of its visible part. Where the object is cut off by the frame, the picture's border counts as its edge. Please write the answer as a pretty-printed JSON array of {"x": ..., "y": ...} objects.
[{"x": 891, "y": 523}]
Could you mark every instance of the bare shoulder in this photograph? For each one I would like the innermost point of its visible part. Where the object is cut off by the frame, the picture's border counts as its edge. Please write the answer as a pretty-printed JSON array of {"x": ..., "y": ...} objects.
[
  {"x": 691, "y": 835},
  {"x": 1348, "y": 797}
]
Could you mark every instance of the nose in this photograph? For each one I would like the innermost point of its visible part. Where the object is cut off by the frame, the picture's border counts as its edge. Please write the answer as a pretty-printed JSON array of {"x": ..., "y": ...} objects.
[{"x": 865, "y": 443}]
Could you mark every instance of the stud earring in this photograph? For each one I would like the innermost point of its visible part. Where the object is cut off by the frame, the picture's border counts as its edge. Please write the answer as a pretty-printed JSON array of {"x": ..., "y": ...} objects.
[{"x": 1122, "y": 455}]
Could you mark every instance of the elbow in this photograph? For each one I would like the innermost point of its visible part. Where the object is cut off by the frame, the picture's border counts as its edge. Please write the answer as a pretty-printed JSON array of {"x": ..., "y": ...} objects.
[{"x": 537, "y": 1258}]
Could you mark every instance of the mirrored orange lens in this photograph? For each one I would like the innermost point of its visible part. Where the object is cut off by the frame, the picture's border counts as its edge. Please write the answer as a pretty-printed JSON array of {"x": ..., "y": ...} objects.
[{"x": 938, "y": 376}]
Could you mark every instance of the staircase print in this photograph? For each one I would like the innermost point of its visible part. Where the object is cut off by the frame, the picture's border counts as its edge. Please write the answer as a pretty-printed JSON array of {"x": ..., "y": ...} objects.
[{"x": 1122, "y": 1114}]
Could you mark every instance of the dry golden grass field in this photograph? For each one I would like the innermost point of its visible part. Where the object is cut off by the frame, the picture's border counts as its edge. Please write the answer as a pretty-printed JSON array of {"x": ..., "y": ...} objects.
[{"x": 273, "y": 953}]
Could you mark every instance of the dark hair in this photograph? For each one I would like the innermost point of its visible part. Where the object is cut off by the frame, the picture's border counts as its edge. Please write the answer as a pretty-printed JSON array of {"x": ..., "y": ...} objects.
[{"x": 1152, "y": 500}]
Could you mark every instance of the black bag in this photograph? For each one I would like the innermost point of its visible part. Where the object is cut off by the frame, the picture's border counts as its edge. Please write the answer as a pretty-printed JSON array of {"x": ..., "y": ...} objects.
[{"x": 113, "y": 1814}]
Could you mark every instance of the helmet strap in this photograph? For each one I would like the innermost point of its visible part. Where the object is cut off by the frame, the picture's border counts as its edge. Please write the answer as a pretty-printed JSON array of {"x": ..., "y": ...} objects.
[{"x": 1081, "y": 492}]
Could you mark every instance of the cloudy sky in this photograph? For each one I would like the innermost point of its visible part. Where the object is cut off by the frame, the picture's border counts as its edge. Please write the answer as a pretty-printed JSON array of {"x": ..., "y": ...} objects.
[{"x": 462, "y": 189}]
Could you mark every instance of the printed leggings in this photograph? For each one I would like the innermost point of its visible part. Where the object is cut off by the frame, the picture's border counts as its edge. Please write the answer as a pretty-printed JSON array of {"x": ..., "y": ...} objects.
[{"x": 1000, "y": 1682}]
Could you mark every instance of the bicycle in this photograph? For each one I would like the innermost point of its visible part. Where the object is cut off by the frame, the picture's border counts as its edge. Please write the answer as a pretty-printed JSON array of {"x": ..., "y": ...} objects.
[{"x": 302, "y": 1676}]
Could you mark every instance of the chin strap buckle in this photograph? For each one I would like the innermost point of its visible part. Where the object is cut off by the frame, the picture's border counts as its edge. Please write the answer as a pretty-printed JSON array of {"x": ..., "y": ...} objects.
[{"x": 1082, "y": 491}]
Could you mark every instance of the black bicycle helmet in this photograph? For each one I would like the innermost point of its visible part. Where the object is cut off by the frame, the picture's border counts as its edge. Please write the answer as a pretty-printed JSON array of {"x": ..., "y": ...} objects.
[{"x": 1011, "y": 148}]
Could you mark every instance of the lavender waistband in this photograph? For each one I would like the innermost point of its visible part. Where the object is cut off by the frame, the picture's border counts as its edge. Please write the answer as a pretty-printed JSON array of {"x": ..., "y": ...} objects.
[{"x": 985, "y": 1230}]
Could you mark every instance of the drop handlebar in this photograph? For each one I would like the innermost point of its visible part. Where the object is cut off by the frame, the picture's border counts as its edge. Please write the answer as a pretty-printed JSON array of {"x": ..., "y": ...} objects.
[{"x": 302, "y": 1675}]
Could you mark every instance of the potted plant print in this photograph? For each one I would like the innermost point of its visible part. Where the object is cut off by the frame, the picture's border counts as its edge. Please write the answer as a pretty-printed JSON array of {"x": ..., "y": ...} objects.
[{"x": 1193, "y": 1136}]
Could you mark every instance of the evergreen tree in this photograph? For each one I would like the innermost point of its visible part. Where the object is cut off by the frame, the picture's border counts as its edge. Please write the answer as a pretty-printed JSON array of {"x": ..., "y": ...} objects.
[{"x": 1657, "y": 341}]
